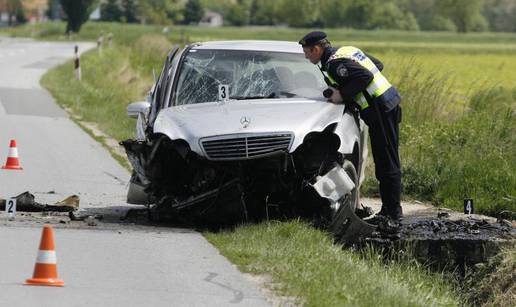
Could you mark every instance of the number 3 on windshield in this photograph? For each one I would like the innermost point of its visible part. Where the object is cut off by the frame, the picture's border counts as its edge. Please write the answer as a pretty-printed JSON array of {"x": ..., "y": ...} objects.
[{"x": 223, "y": 92}]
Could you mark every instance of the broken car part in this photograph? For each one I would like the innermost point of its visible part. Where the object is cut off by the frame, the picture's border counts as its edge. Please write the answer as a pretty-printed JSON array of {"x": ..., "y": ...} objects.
[
  {"x": 339, "y": 186},
  {"x": 25, "y": 202}
]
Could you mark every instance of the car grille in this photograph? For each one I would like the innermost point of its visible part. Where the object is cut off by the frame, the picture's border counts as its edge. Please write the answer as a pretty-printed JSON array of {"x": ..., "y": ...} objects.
[{"x": 248, "y": 146}]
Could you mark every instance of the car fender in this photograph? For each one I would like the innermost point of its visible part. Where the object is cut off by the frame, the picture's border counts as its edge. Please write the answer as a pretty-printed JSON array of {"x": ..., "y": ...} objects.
[
  {"x": 348, "y": 133},
  {"x": 173, "y": 130}
]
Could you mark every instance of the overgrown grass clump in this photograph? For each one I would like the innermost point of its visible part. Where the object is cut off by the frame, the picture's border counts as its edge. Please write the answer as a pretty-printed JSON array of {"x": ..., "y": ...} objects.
[
  {"x": 470, "y": 157},
  {"x": 493, "y": 283},
  {"x": 303, "y": 262}
]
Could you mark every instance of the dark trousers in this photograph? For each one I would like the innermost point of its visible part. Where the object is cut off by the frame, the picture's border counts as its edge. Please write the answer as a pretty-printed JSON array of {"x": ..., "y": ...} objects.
[{"x": 386, "y": 158}]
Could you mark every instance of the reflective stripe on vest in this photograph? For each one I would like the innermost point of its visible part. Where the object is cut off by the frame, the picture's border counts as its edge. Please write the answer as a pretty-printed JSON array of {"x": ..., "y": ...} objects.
[
  {"x": 378, "y": 85},
  {"x": 359, "y": 98}
]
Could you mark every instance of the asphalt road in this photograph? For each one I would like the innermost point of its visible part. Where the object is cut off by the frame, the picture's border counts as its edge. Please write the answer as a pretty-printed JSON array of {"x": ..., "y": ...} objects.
[{"x": 119, "y": 265}]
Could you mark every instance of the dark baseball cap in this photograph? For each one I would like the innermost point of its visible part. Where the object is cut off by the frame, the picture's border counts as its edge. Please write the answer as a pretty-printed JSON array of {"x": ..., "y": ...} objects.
[{"x": 312, "y": 38}]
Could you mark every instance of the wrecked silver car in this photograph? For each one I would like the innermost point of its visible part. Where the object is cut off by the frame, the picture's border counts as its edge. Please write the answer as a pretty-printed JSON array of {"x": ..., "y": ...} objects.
[{"x": 240, "y": 130}]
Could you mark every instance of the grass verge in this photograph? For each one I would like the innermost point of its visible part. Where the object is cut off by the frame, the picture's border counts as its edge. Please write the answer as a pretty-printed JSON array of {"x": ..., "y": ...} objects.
[
  {"x": 493, "y": 283},
  {"x": 110, "y": 80},
  {"x": 470, "y": 157},
  {"x": 303, "y": 262}
]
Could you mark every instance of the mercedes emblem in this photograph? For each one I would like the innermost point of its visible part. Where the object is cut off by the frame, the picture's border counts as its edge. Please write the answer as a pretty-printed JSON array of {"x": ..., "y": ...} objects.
[{"x": 245, "y": 121}]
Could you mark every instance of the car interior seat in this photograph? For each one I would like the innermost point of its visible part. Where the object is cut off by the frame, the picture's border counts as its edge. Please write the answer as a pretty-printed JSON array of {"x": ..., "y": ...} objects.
[
  {"x": 286, "y": 78},
  {"x": 305, "y": 79}
]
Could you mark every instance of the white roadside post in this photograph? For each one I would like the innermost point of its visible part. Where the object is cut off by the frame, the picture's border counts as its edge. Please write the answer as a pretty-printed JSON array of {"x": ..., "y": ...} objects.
[
  {"x": 77, "y": 65},
  {"x": 99, "y": 43}
]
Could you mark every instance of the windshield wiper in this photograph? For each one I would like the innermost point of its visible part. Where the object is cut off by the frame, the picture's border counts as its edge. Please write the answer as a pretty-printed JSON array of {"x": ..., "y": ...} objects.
[
  {"x": 288, "y": 94},
  {"x": 272, "y": 95}
]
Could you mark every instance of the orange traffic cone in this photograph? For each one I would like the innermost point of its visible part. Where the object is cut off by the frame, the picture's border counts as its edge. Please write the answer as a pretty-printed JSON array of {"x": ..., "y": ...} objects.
[
  {"x": 12, "y": 158},
  {"x": 45, "y": 270}
]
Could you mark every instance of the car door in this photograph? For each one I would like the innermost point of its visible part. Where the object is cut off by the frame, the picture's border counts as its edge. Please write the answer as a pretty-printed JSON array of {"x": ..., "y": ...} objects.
[
  {"x": 138, "y": 150},
  {"x": 161, "y": 89}
]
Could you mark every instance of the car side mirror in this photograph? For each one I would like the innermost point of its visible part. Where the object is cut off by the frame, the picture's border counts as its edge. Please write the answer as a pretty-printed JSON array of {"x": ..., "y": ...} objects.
[{"x": 136, "y": 108}]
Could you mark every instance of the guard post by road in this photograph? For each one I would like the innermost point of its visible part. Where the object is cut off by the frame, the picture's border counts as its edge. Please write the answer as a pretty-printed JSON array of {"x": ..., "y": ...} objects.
[
  {"x": 76, "y": 63},
  {"x": 100, "y": 41}
]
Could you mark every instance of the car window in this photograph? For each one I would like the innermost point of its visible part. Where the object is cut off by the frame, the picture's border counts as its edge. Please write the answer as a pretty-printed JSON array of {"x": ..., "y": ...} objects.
[{"x": 249, "y": 74}]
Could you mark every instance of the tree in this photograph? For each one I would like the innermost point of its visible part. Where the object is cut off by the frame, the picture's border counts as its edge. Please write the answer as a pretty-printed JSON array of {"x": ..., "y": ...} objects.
[
  {"x": 130, "y": 11},
  {"x": 358, "y": 13},
  {"x": 110, "y": 11},
  {"x": 424, "y": 11},
  {"x": 20, "y": 15},
  {"x": 238, "y": 15},
  {"x": 53, "y": 9},
  {"x": 466, "y": 14},
  {"x": 262, "y": 12},
  {"x": 13, "y": 9},
  {"x": 193, "y": 11},
  {"x": 77, "y": 13},
  {"x": 390, "y": 15},
  {"x": 501, "y": 15},
  {"x": 299, "y": 13},
  {"x": 161, "y": 11},
  {"x": 333, "y": 12},
  {"x": 441, "y": 23}
]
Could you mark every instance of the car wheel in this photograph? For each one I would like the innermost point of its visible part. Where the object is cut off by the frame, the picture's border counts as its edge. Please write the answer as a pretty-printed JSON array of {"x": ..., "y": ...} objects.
[{"x": 348, "y": 203}]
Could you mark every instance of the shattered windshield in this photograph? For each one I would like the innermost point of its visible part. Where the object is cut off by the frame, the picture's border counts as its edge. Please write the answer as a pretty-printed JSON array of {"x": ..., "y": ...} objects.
[{"x": 248, "y": 74}]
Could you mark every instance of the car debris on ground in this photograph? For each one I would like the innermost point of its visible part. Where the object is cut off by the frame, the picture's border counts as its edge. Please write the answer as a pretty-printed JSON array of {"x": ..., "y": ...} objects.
[
  {"x": 449, "y": 240},
  {"x": 26, "y": 202}
]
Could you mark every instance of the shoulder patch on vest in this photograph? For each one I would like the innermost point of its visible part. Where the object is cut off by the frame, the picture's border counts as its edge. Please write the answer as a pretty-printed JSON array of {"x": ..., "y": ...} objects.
[{"x": 342, "y": 71}]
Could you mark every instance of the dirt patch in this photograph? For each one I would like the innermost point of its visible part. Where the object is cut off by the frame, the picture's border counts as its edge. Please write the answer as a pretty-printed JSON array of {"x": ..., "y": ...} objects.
[
  {"x": 442, "y": 237},
  {"x": 267, "y": 286}
]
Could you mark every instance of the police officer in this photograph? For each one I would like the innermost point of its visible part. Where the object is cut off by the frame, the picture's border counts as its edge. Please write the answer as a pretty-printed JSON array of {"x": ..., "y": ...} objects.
[{"x": 355, "y": 79}]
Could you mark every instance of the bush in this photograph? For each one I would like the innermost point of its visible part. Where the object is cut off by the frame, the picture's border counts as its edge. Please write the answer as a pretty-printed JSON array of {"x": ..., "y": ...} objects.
[
  {"x": 472, "y": 157},
  {"x": 149, "y": 52},
  {"x": 440, "y": 23},
  {"x": 492, "y": 283},
  {"x": 389, "y": 16}
]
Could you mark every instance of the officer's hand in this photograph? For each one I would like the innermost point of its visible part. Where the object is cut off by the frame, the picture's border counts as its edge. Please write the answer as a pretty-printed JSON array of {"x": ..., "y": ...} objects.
[{"x": 336, "y": 97}]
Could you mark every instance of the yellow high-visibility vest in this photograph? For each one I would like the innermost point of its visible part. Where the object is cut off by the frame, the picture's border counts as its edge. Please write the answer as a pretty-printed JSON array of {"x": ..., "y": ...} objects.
[{"x": 378, "y": 85}]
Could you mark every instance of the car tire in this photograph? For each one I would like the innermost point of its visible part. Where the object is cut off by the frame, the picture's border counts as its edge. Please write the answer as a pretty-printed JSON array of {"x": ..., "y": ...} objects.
[{"x": 352, "y": 200}]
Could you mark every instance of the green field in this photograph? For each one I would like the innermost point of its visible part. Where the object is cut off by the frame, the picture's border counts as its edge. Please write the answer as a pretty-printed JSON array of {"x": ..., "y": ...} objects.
[{"x": 458, "y": 140}]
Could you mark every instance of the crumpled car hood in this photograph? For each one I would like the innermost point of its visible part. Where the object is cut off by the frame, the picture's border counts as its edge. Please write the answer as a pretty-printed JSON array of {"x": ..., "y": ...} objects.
[{"x": 196, "y": 121}]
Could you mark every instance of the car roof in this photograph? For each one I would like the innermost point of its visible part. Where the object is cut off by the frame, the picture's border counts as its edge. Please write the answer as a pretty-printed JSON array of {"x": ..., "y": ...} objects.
[{"x": 251, "y": 45}]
